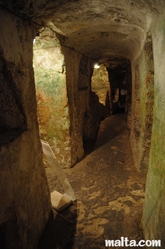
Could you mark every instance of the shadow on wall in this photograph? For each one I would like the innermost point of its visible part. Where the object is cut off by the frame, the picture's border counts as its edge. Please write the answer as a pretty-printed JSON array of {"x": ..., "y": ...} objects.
[
  {"x": 12, "y": 117},
  {"x": 60, "y": 230}
]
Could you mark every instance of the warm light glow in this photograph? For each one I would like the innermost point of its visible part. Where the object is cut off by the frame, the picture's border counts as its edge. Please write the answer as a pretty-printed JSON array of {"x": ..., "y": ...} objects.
[{"x": 96, "y": 66}]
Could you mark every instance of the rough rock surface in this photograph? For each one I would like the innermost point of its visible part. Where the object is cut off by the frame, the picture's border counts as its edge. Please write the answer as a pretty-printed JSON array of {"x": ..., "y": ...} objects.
[
  {"x": 142, "y": 107},
  {"x": 25, "y": 202},
  {"x": 51, "y": 94}
]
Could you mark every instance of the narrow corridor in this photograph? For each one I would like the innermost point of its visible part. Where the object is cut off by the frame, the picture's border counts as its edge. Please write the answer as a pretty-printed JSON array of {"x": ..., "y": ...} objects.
[{"x": 110, "y": 194}]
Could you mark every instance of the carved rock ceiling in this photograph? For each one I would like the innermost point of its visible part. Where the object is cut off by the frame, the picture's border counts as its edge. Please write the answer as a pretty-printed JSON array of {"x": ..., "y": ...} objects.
[{"x": 99, "y": 29}]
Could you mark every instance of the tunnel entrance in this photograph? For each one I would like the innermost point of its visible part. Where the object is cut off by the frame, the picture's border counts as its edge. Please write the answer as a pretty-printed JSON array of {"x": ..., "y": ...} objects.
[
  {"x": 121, "y": 85},
  {"x": 99, "y": 106},
  {"x": 111, "y": 94}
]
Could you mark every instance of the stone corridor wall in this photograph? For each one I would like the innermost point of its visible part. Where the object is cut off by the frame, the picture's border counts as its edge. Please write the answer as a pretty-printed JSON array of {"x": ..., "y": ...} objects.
[
  {"x": 154, "y": 207},
  {"x": 52, "y": 101},
  {"x": 84, "y": 107},
  {"x": 78, "y": 98},
  {"x": 25, "y": 201},
  {"x": 142, "y": 106}
]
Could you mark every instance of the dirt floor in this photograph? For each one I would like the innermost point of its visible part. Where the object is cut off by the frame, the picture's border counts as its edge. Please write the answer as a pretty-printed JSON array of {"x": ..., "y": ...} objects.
[{"x": 109, "y": 191}]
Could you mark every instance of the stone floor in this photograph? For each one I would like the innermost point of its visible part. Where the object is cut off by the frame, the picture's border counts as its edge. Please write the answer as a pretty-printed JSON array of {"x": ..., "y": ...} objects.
[{"x": 109, "y": 191}]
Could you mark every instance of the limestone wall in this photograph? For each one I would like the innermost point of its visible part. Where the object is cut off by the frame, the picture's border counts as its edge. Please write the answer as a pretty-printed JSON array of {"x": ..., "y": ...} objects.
[
  {"x": 51, "y": 92},
  {"x": 84, "y": 107},
  {"x": 154, "y": 207},
  {"x": 78, "y": 98},
  {"x": 25, "y": 202},
  {"x": 142, "y": 105}
]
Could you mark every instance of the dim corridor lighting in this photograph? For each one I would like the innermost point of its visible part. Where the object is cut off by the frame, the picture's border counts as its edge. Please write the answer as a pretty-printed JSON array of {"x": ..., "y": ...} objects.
[{"x": 96, "y": 65}]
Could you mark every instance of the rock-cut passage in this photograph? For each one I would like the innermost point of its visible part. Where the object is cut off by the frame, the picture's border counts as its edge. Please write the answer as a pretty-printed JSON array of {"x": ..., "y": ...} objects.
[{"x": 110, "y": 194}]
